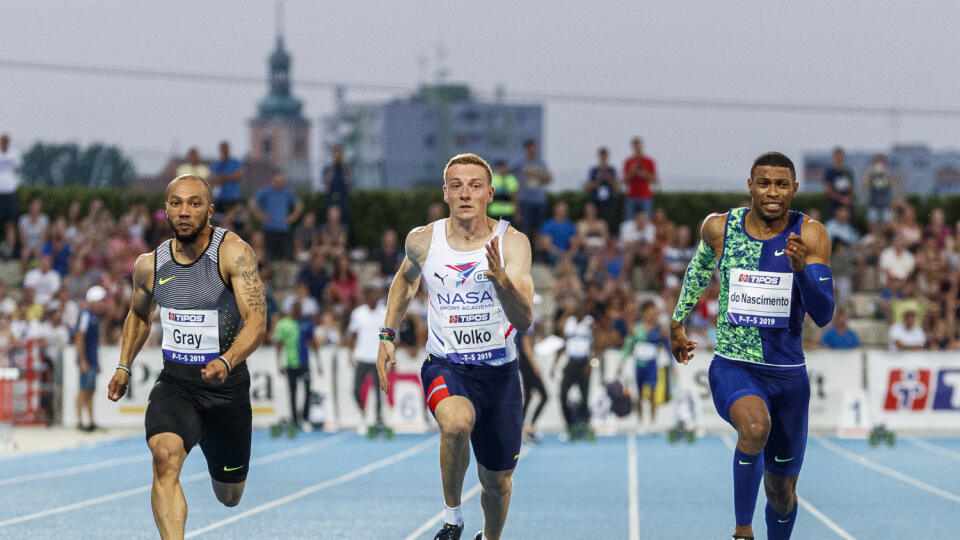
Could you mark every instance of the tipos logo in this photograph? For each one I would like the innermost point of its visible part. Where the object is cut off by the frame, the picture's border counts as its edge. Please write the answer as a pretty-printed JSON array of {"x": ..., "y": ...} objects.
[
  {"x": 185, "y": 317},
  {"x": 907, "y": 389},
  {"x": 469, "y": 318},
  {"x": 759, "y": 280}
]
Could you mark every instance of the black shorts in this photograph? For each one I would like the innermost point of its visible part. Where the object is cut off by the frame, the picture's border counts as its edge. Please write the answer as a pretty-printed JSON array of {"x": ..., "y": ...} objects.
[
  {"x": 8, "y": 207},
  {"x": 218, "y": 417}
]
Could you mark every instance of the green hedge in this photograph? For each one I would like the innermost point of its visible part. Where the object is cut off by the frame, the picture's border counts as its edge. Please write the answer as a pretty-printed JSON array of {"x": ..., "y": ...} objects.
[
  {"x": 56, "y": 200},
  {"x": 374, "y": 210}
]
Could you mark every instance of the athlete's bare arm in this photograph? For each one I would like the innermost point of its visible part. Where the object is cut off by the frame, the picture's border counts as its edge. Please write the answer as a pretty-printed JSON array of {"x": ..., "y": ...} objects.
[
  {"x": 136, "y": 327},
  {"x": 239, "y": 264},
  {"x": 513, "y": 281},
  {"x": 402, "y": 290},
  {"x": 811, "y": 246},
  {"x": 711, "y": 232}
]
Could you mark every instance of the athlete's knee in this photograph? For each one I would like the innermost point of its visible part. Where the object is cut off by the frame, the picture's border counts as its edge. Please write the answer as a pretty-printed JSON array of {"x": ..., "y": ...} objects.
[
  {"x": 167, "y": 461},
  {"x": 228, "y": 494},
  {"x": 455, "y": 416},
  {"x": 781, "y": 493},
  {"x": 457, "y": 425},
  {"x": 230, "y": 498},
  {"x": 498, "y": 484},
  {"x": 750, "y": 416},
  {"x": 754, "y": 431}
]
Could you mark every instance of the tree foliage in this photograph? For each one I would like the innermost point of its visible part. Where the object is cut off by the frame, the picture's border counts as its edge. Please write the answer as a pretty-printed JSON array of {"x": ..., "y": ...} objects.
[{"x": 57, "y": 165}]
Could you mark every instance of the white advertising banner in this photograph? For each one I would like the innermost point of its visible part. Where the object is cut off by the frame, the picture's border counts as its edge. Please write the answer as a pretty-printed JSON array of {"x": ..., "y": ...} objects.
[
  {"x": 830, "y": 373},
  {"x": 915, "y": 389},
  {"x": 833, "y": 376},
  {"x": 269, "y": 394}
]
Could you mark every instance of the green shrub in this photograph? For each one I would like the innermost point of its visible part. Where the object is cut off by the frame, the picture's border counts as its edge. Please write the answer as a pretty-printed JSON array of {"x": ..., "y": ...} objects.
[{"x": 374, "y": 210}]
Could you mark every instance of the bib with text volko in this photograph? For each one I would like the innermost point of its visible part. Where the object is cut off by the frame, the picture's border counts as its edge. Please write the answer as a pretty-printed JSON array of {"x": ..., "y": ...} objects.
[
  {"x": 759, "y": 298},
  {"x": 474, "y": 337},
  {"x": 190, "y": 336}
]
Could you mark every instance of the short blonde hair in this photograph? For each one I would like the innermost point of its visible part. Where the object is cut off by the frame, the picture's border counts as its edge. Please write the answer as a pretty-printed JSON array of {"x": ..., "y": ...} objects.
[{"x": 468, "y": 159}]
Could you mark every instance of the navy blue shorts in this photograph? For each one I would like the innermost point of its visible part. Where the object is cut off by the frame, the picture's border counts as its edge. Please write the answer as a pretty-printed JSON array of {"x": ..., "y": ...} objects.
[
  {"x": 497, "y": 401},
  {"x": 785, "y": 390},
  {"x": 647, "y": 375}
]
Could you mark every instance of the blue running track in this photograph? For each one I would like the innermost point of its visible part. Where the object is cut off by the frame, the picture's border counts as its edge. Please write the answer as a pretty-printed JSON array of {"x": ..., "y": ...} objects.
[{"x": 341, "y": 485}]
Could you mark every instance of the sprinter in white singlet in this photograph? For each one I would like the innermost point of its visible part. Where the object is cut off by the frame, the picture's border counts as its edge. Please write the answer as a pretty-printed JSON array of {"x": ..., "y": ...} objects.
[{"x": 477, "y": 274}]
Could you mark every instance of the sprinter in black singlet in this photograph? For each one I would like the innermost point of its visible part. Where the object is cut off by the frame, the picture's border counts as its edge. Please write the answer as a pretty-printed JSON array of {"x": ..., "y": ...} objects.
[{"x": 213, "y": 312}]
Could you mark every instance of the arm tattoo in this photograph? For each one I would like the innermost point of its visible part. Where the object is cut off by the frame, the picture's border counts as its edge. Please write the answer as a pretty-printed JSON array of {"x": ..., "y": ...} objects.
[{"x": 250, "y": 285}]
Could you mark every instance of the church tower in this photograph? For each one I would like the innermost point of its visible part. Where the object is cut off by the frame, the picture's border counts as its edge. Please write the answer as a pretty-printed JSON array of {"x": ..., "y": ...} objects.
[{"x": 279, "y": 134}]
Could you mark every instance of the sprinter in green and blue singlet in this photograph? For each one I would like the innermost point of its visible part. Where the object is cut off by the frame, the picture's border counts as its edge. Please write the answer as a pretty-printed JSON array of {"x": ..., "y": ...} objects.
[{"x": 774, "y": 267}]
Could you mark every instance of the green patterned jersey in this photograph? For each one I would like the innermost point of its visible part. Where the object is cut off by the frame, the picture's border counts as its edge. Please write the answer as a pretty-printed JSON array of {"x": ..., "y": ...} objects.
[
  {"x": 766, "y": 327},
  {"x": 739, "y": 251}
]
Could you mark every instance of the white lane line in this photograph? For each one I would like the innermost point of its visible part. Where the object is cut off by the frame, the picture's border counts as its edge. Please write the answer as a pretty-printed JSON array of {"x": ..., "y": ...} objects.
[
  {"x": 356, "y": 473},
  {"x": 887, "y": 470},
  {"x": 435, "y": 520},
  {"x": 471, "y": 493},
  {"x": 278, "y": 456},
  {"x": 59, "y": 473},
  {"x": 183, "y": 480},
  {"x": 91, "y": 502},
  {"x": 822, "y": 517},
  {"x": 84, "y": 446},
  {"x": 947, "y": 453},
  {"x": 832, "y": 525},
  {"x": 634, "y": 480}
]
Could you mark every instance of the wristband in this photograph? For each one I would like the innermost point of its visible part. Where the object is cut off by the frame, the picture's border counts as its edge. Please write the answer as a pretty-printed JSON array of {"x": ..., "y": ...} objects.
[
  {"x": 224, "y": 360},
  {"x": 387, "y": 334},
  {"x": 125, "y": 368}
]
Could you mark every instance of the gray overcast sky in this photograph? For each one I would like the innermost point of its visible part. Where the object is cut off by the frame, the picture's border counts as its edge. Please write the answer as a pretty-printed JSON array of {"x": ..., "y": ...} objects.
[{"x": 853, "y": 52}]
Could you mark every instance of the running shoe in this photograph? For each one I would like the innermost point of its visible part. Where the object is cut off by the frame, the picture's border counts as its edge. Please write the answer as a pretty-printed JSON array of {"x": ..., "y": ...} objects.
[
  {"x": 449, "y": 532},
  {"x": 479, "y": 536}
]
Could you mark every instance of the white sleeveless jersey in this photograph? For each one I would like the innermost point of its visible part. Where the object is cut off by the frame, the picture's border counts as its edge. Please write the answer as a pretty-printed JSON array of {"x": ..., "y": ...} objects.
[{"x": 467, "y": 324}]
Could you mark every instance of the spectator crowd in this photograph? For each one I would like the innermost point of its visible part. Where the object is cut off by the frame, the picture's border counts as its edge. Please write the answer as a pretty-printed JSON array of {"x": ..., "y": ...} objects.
[{"x": 909, "y": 265}]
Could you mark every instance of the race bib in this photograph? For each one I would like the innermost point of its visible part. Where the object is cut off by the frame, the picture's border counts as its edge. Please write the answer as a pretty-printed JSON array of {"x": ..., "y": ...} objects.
[
  {"x": 644, "y": 350},
  {"x": 843, "y": 184},
  {"x": 473, "y": 338},
  {"x": 758, "y": 298},
  {"x": 190, "y": 336}
]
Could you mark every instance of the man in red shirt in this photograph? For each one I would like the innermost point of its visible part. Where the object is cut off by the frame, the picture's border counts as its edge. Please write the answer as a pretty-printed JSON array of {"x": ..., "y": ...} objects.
[{"x": 639, "y": 172}]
